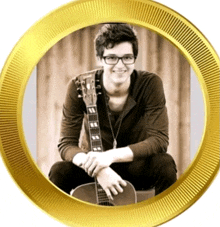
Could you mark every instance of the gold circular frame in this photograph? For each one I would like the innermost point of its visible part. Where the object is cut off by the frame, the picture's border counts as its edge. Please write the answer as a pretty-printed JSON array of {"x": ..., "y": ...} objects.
[{"x": 31, "y": 48}]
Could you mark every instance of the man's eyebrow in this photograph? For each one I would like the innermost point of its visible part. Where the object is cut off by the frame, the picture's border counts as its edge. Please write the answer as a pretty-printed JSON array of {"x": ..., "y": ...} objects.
[
  {"x": 111, "y": 55},
  {"x": 114, "y": 55}
]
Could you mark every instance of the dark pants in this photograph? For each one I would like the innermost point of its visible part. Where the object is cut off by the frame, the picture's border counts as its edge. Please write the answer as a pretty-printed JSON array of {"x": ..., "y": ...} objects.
[{"x": 158, "y": 171}]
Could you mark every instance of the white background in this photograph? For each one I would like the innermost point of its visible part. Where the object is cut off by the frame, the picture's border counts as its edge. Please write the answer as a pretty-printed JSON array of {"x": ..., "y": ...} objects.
[{"x": 15, "y": 18}]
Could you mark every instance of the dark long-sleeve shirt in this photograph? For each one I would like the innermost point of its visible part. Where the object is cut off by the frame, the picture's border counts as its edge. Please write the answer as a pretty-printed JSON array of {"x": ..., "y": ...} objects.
[{"x": 144, "y": 122}]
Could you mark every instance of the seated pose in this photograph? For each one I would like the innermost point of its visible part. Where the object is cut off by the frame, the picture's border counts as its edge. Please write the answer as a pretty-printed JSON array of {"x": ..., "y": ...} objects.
[{"x": 133, "y": 124}]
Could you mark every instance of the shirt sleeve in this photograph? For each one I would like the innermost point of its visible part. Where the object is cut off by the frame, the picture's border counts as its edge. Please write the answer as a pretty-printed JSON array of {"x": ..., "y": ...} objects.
[
  {"x": 71, "y": 123},
  {"x": 153, "y": 137}
]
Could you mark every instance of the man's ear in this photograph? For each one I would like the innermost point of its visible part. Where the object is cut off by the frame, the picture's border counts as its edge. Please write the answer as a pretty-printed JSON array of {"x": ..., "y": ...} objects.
[{"x": 99, "y": 59}]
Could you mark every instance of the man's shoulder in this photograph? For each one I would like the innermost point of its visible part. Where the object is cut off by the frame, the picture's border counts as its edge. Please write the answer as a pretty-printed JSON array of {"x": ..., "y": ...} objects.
[{"x": 145, "y": 76}]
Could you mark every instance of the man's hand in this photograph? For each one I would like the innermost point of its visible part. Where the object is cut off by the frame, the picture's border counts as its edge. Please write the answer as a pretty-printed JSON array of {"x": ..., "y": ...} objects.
[
  {"x": 111, "y": 182},
  {"x": 96, "y": 161},
  {"x": 93, "y": 162}
]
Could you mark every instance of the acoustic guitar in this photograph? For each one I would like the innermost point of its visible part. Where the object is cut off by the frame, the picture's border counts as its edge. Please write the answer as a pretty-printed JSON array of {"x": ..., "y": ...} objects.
[{"x": 93, "y": 192}]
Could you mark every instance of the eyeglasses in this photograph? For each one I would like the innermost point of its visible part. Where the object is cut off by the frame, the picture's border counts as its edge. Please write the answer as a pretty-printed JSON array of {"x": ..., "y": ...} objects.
[{"x": 113, "y": 60}]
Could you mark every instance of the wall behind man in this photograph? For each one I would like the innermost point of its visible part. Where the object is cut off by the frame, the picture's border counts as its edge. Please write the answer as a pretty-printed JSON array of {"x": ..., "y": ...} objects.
[
  {"x": 11, "y": 196},
  {"x": 75, "y": 54}
]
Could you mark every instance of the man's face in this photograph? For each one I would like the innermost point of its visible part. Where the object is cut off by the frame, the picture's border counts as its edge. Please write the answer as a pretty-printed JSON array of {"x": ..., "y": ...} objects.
[{"x": 119, "y": 72}]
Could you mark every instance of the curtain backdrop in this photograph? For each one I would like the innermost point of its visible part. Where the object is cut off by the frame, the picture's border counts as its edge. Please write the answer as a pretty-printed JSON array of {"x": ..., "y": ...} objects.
[{"x": 75, "y": 54}]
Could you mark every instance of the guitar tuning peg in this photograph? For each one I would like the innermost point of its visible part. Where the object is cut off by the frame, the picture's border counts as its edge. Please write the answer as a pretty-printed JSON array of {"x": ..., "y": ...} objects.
[
  {"x": 99, "y": 93},
  {"x": 77, "y": 83},
  {"x": 97, "y": 81},
  {"x": 80, "y": 96},
  {"x": 79, "y": 90},
  {"x": 98, "y": 87}
]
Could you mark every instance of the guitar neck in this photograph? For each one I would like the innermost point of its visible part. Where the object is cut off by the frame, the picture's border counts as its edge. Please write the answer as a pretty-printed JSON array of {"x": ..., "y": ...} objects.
[
  {"x": 102, "y": 198},
  {"x": 94, "y": 130},
  {"x": 96, "y": 145}
]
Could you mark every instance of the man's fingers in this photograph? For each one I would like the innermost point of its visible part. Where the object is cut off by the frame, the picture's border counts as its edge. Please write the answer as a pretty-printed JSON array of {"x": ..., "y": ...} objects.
[
  {"x": 96, "y": 170},
  {"x": 123, "y": 183},
  {"x": 86, "y": 161},
  {"x": 119, "y": 188},
  {"x": 87, "y": 164},
  {"x": 108, "y": 193},
  {"x": 90, "y": 170},
  {"x": 114, "y": 191}
]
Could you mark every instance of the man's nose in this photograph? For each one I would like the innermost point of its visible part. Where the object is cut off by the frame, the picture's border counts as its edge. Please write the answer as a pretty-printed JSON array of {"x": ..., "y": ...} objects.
[{"x": 120, "y": 63}]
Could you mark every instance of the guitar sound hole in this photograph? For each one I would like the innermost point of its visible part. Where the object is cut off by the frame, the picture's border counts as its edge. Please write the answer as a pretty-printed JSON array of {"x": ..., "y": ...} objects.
[{"x": 106, "y": 204}]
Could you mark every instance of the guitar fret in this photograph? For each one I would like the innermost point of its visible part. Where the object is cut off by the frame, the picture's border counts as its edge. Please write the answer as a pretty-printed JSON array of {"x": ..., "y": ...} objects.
[
  {"x": 104, "y": 199},
  {"x": 94, "y": 131},
  {"x": 94, "y": 124},
  {"x": 96, "y": 143},
  {"x": 92, "y": 110},
  {"x": 97, "y": 148},
  {"x": 95, "y": 137},
  {"x": 93, "y": 117},
  {"x": 103, "y": 195}
]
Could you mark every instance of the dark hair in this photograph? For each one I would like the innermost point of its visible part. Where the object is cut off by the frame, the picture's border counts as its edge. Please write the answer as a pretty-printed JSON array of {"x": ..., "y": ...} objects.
[{"x": 115, "y": 33}]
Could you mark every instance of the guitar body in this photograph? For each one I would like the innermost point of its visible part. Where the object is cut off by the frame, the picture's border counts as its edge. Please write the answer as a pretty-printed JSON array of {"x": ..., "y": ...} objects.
[{"x": 87, "y": 193}]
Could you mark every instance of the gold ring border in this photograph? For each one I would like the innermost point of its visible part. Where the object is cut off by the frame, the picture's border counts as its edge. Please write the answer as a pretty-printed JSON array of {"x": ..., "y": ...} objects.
[{"x": 31, "y": 48}]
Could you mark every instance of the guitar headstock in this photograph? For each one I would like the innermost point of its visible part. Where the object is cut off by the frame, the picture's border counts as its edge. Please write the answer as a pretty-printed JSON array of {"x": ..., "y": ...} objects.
[{"x": 86, "y": 86}]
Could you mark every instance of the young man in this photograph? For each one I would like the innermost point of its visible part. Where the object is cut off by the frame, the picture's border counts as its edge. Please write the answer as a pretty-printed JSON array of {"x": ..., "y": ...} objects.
[{"x": 133, "y": 124}]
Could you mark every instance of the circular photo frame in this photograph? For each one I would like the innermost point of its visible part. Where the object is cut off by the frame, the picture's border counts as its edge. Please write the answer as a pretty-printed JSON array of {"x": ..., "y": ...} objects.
[{"x": 17, "y": 70}]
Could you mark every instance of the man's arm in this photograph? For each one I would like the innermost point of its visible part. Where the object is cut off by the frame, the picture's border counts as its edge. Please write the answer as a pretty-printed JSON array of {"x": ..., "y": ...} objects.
[
  {"x": 93, "y": 162},
  {"x": 153, "y": 137},
  {"x": 71, "y": 124}
]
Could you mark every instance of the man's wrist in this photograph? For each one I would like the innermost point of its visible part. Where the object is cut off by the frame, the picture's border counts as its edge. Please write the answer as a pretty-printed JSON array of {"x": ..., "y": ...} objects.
[
  {"x": 110, "y": 156},
  {"x": 123, "y": 154},
  {"x": 79, "y": 159}
]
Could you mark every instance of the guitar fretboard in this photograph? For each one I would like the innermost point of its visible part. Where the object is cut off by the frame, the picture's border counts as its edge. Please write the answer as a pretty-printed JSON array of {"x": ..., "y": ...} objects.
[
  {"x": 96, "y": 145},
  {"x": 95, "y": 137},
  {"x": 101, "y": 196}
]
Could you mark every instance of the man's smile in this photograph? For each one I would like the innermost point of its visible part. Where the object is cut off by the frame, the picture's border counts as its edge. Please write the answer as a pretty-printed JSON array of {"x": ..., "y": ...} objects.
[{"x": 119, "y": 71}]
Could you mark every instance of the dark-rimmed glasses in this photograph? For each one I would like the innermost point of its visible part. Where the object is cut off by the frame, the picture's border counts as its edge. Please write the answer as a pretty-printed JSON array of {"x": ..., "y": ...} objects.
[{"x": 113, "y": 60}]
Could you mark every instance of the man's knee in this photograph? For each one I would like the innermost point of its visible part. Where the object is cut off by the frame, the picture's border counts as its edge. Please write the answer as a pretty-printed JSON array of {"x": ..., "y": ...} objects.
[
  {"x": 164, "y": 171},
  {"x": 165, "y": 165},
  {"x": 60, "y": 174},
  {"x": 162, "y": 159},
  {"x": 61, "y": 168}
]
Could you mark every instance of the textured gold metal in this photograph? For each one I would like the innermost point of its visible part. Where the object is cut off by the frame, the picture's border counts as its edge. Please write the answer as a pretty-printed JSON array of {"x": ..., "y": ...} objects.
[{"x": 31, "y": 48}]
